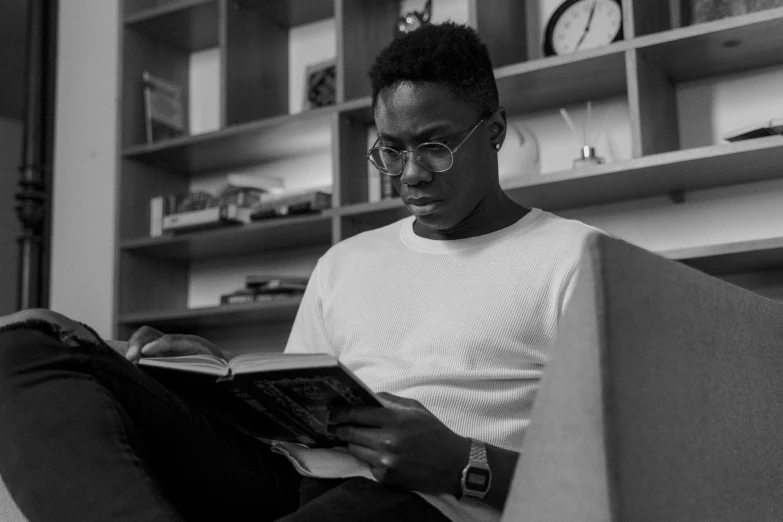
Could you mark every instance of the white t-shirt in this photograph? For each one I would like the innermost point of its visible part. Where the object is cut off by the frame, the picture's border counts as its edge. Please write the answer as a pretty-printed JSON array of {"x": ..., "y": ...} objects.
[{"x": 463, "y": 326}]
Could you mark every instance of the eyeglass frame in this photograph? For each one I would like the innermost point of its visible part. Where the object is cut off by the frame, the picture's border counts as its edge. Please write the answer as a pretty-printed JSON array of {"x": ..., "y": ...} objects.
[{"x": 406, "y": 152}]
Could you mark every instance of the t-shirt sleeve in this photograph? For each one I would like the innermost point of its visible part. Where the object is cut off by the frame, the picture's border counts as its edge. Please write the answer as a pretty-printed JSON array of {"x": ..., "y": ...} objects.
[
  {"x": 308, "y": 334},
  {"x": 568, "y": 290}
]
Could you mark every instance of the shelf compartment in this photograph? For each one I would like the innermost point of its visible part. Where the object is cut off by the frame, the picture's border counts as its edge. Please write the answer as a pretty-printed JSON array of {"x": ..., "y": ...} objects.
[
  {"x": 727, "y": 46},
  {"x": 215, "y": 316},
  {"x": 189, "y": 25},
  {"x": 549, "y": 83},
  {"x": 263, "y": 140},
  {"x": 254, "y": 238},
  {"x": 656, "y": 175},
  {"x": 732, "y": 258},
  {"x": 290, "y": 13}
]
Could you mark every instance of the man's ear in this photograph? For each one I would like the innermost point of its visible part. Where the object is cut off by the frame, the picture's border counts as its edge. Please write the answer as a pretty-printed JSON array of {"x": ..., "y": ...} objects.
[{"x": 497, "y": 128}]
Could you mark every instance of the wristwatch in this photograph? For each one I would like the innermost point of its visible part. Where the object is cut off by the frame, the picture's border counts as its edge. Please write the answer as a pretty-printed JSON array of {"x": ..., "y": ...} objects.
[{"x": 476, "y": 477}]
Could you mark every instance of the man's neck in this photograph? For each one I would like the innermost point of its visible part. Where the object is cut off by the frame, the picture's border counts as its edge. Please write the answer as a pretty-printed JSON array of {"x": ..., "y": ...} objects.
[{"x": 487, "y": 217}]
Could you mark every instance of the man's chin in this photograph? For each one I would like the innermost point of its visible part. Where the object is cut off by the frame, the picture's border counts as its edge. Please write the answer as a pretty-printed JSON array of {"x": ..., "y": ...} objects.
[{"x": 434, "y": 223}]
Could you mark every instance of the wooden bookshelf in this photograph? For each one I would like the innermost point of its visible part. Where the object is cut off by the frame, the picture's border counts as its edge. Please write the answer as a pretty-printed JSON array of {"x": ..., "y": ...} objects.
[
  {"x": 251, "y": 36},
  {"x": 189, "y": 25},
  {"x": 215, "y": 316},
  {"x": 731, "y": 258},
  {"x": 259, "y": 237}
]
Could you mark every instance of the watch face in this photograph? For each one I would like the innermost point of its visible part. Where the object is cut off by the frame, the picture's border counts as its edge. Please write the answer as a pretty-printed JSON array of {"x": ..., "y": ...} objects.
[
  {"x": 477, "y": 479},
  {"x": 583, "y": 24}
]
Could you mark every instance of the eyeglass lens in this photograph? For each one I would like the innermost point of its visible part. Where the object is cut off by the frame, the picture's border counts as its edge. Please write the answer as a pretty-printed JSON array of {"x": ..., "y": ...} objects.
[{"x": 435, "y": 157}]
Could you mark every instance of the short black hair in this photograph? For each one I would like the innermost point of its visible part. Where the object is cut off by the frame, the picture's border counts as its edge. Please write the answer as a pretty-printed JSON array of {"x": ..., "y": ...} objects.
[{"x": 449, "y": 54}]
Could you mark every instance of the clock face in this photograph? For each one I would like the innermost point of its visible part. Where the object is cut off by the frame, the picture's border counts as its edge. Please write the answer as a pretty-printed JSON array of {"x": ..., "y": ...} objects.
[{"x": 578, "y": 25}]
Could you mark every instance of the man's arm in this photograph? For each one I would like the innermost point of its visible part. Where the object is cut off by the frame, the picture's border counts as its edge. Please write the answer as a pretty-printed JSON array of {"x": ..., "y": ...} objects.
[{"x": 405, "y": 445}]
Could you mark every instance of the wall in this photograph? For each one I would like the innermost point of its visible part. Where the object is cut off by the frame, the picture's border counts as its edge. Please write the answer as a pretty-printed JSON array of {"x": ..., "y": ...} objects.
[
  {"x": 85, "y": 162},
  {"x": 10, "y": 157}
]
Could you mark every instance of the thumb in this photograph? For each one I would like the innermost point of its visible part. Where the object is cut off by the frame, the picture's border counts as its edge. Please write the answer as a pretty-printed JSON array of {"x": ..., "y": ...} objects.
[
  {"x": 133, "y": 353},
  {"x": 395, "y": 401}
]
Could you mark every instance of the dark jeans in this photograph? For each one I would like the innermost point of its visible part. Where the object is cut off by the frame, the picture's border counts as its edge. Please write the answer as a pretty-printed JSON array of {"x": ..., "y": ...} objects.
[{"x": 86, "y": 435}]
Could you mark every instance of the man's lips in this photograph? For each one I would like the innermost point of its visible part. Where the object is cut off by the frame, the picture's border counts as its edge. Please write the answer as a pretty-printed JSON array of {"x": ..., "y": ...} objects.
[{"x": 421, "y": 201}]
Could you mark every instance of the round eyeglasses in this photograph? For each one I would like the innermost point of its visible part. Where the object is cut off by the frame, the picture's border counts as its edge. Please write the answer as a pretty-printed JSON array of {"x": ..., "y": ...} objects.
[{"x": 432, "y": 155}]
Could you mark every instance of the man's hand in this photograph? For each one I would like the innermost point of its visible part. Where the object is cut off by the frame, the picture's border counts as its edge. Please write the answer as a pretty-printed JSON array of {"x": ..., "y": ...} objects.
[
  {"x": 404, "y": 444},
  {"x": 149, "y": 342}
]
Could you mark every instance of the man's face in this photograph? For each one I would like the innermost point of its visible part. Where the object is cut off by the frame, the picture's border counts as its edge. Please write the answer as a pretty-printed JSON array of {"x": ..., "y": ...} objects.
[{"x": 410, "y": 114}]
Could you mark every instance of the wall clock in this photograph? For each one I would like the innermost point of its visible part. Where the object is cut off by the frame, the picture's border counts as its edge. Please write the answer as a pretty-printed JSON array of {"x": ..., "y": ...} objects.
[{"x": 583, "y": 24}]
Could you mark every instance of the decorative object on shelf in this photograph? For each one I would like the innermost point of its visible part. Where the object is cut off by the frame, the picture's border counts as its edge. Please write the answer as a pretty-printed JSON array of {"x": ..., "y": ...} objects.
[
  {"x": 519, "y": 158},
  {"x": 276, "y": 205},
  {"x": 773, "y": 127},
  {"x": 196, "y": 200},
  {"x": 577, "y": 25},
  {"x": 320, "y": 85},
  {"x": 412, "y": 20},
  {"x": 163, "y": 107},
  {"x": 587, "y": 155},
  {"x": 698, "y": 11}
]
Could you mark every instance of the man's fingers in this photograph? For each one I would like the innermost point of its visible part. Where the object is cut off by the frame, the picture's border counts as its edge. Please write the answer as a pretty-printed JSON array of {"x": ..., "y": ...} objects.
[
  {"x": 140, "y": 338},
  {"x": 172, "y": 345},
  {"x": 372, "y": 416},
  {"x": 367, "y": 437}
]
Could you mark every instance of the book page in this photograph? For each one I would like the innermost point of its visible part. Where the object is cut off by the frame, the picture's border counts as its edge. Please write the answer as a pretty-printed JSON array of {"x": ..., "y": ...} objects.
[
  {"x": 198, "y": 363},
  {"x": 261, "y": 362}
]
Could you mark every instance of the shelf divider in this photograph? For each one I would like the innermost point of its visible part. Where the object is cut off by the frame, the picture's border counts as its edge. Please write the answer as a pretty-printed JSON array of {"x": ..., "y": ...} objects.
[{"x": 652, "y": 103}]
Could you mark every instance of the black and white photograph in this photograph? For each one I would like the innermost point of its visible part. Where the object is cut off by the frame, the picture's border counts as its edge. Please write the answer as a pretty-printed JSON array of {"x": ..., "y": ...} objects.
[{"x": 391, "y": 260}]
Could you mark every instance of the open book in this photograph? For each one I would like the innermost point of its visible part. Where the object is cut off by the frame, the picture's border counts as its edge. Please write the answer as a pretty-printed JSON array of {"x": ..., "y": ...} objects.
[{"x": 282, "y": 397}]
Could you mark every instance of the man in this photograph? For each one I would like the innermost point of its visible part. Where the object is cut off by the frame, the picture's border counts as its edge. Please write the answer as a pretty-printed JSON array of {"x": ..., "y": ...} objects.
[{"x": 449, "y": 314}]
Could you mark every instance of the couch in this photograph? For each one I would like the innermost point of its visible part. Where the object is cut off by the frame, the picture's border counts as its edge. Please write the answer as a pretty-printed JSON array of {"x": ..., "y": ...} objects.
[{"x": 662, "y": 400}]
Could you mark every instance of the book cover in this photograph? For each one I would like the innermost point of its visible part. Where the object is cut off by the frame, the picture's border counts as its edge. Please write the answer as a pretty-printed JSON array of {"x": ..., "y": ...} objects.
[
  {"x": 206, "y": 218},
  {"x": 272, "y": 205},
  {"x": 265, "y": 283},
  {"x": 249, "y": 295},
  {"x": 283, "y": 397},
  {"x": 770, "y": 128}
]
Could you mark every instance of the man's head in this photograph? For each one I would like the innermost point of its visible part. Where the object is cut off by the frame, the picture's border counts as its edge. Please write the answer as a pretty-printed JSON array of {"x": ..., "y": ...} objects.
[{"x": 436, "y": 84}]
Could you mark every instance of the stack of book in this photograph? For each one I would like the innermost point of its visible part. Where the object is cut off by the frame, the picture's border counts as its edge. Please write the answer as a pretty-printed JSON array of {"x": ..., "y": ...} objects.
[
  {"x": 176, "y": 213},
  {"x": 289, "y": 203},
  {"x": 266, "y": 288}
]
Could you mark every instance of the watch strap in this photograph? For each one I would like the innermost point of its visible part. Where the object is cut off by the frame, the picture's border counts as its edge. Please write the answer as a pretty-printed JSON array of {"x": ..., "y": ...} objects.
[{"x": 476, "y": 476}]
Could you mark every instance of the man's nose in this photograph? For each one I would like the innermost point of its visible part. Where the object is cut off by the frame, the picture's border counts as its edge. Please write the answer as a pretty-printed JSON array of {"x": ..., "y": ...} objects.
[{"x": 412, "y": 172}]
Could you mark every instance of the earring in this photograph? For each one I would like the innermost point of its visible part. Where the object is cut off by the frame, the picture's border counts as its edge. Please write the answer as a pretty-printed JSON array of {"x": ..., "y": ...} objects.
[{"x": 497, "y": 146}]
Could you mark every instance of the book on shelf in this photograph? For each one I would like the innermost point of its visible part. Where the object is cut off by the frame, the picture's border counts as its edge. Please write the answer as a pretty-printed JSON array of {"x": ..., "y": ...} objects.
[
  {"x": 212, "y": 217},
  {"x": 249, "y": 295},
  {"x": 769, "y": 128},
  {"x": 271, "y": 283},
  {"x": 164, "y": 111},
  {"x": 284, "y": 397},
  {"x": 275, "y": 205},
  {"x": 160, "y": 207}
]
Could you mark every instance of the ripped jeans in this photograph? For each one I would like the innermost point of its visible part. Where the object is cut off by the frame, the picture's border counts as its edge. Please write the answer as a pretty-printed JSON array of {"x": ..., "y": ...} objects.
[{"x": 85, "y": 435}]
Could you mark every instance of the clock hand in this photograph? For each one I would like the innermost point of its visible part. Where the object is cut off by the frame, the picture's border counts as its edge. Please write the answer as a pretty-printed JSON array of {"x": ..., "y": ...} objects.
[{"x": 587, "y": 26}]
